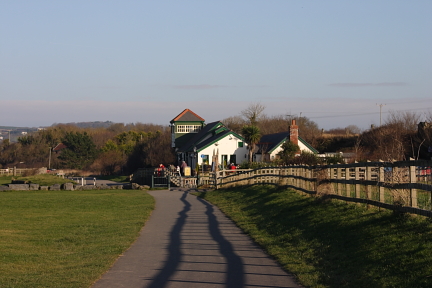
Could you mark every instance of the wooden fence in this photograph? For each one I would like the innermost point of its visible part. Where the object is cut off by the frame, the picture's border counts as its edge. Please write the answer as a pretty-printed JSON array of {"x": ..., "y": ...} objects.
[
  {"x": 405, "y": 186},
  {"x": 20, "y": 171}
]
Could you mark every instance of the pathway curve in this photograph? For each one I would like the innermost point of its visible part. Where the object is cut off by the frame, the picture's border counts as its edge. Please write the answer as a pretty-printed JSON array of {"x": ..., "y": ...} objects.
[{"x": 188, "y": 243}]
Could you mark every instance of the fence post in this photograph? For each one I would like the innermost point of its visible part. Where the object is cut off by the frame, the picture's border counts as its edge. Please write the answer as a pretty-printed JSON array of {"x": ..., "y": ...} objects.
[
  {"x": 368, "y": 177},
  {"x": 413, "y": 192},
  {"x": 306, "y": 178},
  {"x": 381, "y": 182},
  {"x": 215, "y": 180},
  {"x": 339, "y": 177},
  {"x": 347, "y": 185},
  {"x": 357, "y": 178}
]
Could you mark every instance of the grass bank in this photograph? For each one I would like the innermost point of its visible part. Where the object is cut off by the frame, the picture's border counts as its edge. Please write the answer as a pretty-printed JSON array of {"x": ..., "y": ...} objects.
[
  {"x": 332, "y": 244},
  {"x": 115, "y": 178},
  {"x": 66, "y": 239},
  {"x": 41, "y": 179}
]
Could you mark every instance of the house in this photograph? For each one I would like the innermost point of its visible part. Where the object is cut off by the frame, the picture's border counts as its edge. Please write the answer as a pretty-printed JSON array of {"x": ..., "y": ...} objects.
[
  {"x": 59, "y": 147},
  {"x": 197, "y": 143},
  {"x": 271, "y": 144}
]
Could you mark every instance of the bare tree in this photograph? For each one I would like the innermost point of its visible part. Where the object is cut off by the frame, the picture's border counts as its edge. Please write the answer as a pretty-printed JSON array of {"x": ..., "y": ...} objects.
[
  {"x": 405, "y": 121},
  {"x": 274, "y": 124},
  {"x": 253, "y": 113},
  {"x": 352, "y": 129},
  {"x": 309, "y": 130},
  {"x": 234, "y": 123},
  {"x": 388, "y": 142},
  {"x": 428, "y": 116}
]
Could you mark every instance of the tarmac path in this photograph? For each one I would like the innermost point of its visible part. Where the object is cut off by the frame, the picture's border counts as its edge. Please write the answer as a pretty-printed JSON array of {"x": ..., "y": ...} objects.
[{"x": 189, "y": 243}]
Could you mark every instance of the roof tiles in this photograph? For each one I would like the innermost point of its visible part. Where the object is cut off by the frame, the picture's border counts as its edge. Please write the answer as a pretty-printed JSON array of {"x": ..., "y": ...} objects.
[{"x": 187, "y": 115}]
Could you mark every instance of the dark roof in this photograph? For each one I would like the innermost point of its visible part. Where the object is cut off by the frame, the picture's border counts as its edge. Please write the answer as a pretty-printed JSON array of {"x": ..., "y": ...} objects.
[
  {"x": 270, "y": 141},
  {"x": 216, "y": 130},
  {"x": 187, "y": 115},
  {"x": 201, "y": 134}
]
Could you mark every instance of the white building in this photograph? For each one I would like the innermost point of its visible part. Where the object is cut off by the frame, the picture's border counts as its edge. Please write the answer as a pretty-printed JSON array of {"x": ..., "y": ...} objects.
[
  {"x": 270, "y": 145},
  {"x": 198, "y": 143}
]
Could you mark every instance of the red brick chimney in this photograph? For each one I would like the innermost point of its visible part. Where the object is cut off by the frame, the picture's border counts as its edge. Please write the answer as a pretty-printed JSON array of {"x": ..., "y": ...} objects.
[{"x": 293, "y": 132}]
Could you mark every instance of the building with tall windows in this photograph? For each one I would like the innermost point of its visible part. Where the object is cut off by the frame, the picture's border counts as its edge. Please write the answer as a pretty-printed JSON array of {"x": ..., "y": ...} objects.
[{"x": 196, "y": 142}]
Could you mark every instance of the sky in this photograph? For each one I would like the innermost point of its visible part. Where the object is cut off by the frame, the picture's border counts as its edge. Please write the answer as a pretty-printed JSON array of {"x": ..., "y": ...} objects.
[{"x": 337, "y": 63}]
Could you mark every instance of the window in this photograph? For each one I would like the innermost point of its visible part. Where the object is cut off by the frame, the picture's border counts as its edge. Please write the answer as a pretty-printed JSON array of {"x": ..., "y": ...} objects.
[
  {"x": 240, "y": 144},
  {"x": 205, "y": 159},
  {"x": 224, "y": 161},
  {"x": 188, "y": 128}
]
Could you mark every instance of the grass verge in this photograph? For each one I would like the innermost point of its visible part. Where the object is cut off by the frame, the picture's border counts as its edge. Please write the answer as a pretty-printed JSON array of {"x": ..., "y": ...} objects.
[
  {"x": 66, "y": 239},
  {"x": 115, "y": 178},
  {"x": 330, "y": 243},
  {"x": 41, "y": 179}
]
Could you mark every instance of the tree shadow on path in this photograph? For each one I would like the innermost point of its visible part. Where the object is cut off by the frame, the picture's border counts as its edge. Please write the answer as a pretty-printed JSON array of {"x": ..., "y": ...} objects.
[{"x": 234, "y": 270}]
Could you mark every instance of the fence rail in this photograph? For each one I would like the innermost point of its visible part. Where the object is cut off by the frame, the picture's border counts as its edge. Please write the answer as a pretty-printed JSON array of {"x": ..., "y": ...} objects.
[
  {"x": 20, "y": 171},
  {"x": 405, "y": 186},
  {"x": 155, "y": 177}
]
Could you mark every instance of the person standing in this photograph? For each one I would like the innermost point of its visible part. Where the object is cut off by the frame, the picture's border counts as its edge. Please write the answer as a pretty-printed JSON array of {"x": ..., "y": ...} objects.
[
  {"x": 161, "y": 170},
  {"x": 183, "y": 166}
]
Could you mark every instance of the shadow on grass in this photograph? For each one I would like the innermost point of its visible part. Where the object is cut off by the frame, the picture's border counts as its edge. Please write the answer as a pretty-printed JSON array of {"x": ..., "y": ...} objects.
[{"x": 347, "y": 245}]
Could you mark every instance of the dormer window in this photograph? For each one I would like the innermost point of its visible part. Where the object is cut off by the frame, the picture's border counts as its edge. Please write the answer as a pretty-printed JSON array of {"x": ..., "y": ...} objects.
[{"x": 188, "y": 128}]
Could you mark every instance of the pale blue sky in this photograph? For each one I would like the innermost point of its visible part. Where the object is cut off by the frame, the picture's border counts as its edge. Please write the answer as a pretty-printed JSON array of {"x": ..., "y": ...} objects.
[{"x": 146, "y": 61}]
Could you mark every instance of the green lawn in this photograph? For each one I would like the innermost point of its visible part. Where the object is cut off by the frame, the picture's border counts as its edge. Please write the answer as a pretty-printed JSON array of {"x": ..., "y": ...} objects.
[
  {"x": 115, "y": 178},
  {"x": 66, "y": 239},
  {"x": 41, "y": 179},
  {"x": 332, "y": 244}
]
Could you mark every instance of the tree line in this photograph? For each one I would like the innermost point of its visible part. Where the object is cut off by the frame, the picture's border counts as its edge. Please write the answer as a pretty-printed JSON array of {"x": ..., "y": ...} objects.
[
  {"x": 404, "y": 135},
  {"x": 118, "y": 149},
  {"x": 121, "y": 149}
]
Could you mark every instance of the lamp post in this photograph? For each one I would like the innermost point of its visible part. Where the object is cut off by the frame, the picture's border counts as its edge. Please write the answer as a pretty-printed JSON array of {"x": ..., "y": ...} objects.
[{"x": 194, "y": 160}]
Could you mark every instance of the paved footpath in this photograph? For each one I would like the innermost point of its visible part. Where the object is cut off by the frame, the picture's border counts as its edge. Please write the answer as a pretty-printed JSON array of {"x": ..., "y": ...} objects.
[{"x": 189, "y": 243}]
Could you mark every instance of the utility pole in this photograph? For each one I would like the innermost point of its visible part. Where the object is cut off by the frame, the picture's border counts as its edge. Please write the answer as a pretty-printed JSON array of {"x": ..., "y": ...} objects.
[
  {"x": 49, "y": 158},
  {"x": 380, "y": 105}
]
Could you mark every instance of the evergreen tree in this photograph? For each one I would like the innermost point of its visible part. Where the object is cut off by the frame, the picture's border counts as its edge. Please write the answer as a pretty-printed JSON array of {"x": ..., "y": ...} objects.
[
  {"x": 288, "y": 152},
  {"x": 252, "y": 136},
  {"x": 80, "y": 151}
]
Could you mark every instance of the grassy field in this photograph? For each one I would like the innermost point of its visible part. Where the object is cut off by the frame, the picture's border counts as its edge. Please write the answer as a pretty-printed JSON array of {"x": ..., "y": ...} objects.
[
  {"x": 115, "y": 178},
  {"x": 66, "y": 239},
  {"x": 41, "y": 179},
  {"x": 332, "y": 244}
]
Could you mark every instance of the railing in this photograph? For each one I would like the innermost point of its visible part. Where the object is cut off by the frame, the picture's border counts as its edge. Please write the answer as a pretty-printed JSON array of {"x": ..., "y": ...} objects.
[
  {"x": 155, "y": 177},
  {"x": 405, "y": 186}
]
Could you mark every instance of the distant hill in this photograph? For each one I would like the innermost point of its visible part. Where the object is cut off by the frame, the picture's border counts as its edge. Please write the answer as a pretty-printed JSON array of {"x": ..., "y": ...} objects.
[
  {"x": 14, "y": 132},
  {"x": 94, "y": 124},
  {"x": 16, "y": 128}
]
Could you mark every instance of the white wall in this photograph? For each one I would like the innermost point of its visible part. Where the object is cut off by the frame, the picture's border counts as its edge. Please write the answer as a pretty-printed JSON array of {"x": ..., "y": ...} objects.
[
  {"x": 302, "y": 147},
  {"x": 226, "y": 146}
]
